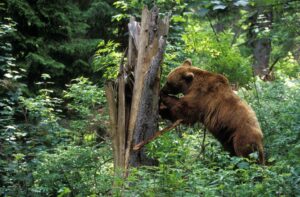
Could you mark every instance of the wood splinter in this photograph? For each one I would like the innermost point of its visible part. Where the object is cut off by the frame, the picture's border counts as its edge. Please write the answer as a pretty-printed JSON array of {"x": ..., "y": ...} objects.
[{"x": 156, "y": 135}]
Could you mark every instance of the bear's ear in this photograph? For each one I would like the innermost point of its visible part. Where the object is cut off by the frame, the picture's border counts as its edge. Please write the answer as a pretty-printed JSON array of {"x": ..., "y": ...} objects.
[
  {"x": 187, "y": 62},
  {"x": 188, "y": 76}
]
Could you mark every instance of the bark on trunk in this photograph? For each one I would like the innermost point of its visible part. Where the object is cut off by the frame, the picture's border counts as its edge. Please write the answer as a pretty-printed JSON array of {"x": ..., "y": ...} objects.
[
  {"x": 133, "y": 106},
  {"x": 261, "y": 45}
]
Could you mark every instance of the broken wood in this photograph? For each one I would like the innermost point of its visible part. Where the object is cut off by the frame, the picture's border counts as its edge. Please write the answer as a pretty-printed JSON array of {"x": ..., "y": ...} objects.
[
  {"x": 144, "y": 107},
  {"x": 121, "y": 135},
  {"x": 133, "y": 104},
  {"x": 112, "y": 106},
  {"x": 156, "y": 135}
]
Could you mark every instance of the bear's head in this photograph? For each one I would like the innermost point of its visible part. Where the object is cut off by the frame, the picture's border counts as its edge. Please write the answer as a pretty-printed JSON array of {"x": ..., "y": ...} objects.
[{"x": 179, "y": 80}]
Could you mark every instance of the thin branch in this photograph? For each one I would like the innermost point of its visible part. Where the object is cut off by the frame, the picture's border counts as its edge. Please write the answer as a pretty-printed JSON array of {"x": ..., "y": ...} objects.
[
  {"x": 272, "y": 66},
  {"x": 212, "y": 27},
  {"x": 156, "y": 135},
  {"x": 203, "y": 141},
  {"x": 268, "y": 76}
]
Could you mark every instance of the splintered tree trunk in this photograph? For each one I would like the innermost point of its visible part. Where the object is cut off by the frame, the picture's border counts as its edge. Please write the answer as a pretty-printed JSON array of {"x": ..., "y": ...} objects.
[{"x": 133, "y": 98}]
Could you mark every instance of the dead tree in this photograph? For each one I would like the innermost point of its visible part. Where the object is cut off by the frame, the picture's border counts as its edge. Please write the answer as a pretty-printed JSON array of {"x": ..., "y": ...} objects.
[{"x": 133, "y": 98}]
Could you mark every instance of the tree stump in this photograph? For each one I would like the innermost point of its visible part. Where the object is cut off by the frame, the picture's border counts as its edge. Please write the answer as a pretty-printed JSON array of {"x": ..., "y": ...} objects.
[{"x": 133, "y": 98}]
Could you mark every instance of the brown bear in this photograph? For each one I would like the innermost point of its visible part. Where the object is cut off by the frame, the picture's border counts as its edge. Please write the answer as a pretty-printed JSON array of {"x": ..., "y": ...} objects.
[{"x": 208, "y": 98}]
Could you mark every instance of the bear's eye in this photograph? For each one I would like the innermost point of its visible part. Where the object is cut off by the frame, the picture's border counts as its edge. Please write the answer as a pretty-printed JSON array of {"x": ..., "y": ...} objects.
[{"x": 188, "y": 77}]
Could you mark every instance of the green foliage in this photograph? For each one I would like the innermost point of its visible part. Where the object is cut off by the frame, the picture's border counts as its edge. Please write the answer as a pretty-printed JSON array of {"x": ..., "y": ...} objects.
[
  {"x": 58, "y": 37},
  {"x": 279, "y": 118},
  {"x": 21, "y": 141},
  {"x": 27, "y": 143},
  {"x": 9, "y": 73},
  {"x": 86, "y": 101},
  {"x": 107, "y": 59},
  {"x": 13, "y": 167},
  {"x": 37, "y": 130},
  {"x": 74, "y": 170},
  {"x": 84, "y": 96},
  {"x": 7, "y": 27},
  {"x": 288, "y": 66},
  {"x": 216, "y": 53},
  {"x": 42, "y": 108}
]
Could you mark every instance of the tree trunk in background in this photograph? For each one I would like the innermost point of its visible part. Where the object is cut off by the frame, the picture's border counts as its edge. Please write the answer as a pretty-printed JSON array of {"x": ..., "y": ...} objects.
[
  {"x": 261, "y": 45},
  {"x": 296, "y": 54},
  {"x": 134, "y": 98}
]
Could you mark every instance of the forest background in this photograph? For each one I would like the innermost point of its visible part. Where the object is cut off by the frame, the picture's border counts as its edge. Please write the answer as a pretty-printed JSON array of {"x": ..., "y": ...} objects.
[{"x": 55, "y": 57}]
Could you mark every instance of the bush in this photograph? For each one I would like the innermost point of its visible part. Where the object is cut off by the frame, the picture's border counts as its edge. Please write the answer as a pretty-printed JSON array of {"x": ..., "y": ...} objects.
[
  {"x": 35, "y": 126},
  {"x": 74, "y": 170},
  {"x": 216, "y": 54},
  {"x": 277, "y": 105},
  {"x": 86, "y": 111}
]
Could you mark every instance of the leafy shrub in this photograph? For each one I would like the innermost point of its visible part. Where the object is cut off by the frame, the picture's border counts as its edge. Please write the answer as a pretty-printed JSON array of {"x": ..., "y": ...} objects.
[
  {"x": 42, "y": 127},
  {"x": 74, "y": 170},
  {"x": 83, "y": 96},
  {"x": 277, "y": 105},
  {"x": 14, "y": 168},
  {"x": 288, "y": 66},
  {"x": 216, "y": 53},
  {"x": 86, "y": 108},
  {"x": 106, "y": 59},
  {"x": 33, "y": 127}
]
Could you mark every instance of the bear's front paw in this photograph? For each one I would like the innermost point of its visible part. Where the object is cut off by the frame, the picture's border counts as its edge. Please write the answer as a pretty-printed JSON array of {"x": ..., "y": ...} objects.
[{"x": 168, "y": 100}]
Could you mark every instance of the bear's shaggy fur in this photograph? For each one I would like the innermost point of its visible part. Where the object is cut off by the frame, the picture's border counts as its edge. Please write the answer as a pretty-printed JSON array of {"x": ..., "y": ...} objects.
[{"x": 208, "y": 98}]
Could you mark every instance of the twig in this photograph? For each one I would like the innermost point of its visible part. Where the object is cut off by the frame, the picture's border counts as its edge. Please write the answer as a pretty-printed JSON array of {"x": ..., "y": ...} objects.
[
  {"x": 156, "y": 135},
  {"x": 212, "y": 27},
  {"x": 272, "y": 66},
  {"x": 203, "y": 141}
]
